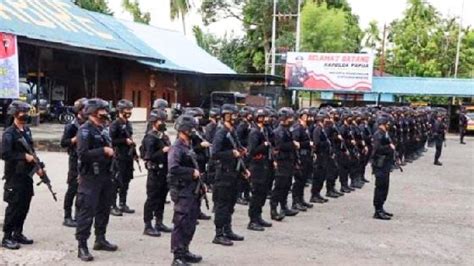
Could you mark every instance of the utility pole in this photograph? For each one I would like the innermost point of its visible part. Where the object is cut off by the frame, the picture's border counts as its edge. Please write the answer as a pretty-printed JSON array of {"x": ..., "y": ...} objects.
[
  {"x": 298, "y": 27},
  {"x": 382, "y": 56},
  {"x": 458, "y": 48},
  {"x": 274, "y": 38}
]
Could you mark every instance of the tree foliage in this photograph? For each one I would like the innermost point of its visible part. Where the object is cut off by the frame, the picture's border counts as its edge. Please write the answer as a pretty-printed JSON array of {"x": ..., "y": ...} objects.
[
  {"x": 179, "y": 9},
  {"x": 133, "y": 7},
  {"x": 94, "y": 5}
]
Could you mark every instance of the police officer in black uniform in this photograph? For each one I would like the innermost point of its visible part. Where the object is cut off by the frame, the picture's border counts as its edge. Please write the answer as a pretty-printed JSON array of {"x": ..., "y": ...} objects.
[
  {"x": 462, "y": 124},
  {"x": 69, "y": 141},
  {"x": 382, "y": 156},
  {"x": 323, "y": 155},
  {"x": 18, "y": 188},
  {"x": 260, "y": 155},
  {"x": 158, "y": 104},
  {"x": 243, "y": 131},
  {"x": 286, "y": 162},
  {"x": 228, "y": 171},
  {"x": 155, "y": 145},
  {"x": 95, "y": 191},
  {"x": 121, "y": 133},
  {"x": 182, "y": 176},
  {"x": 438, "y": 132},
  {"x": 209, "y": 133},
  {"x": 300, "y": 134}
]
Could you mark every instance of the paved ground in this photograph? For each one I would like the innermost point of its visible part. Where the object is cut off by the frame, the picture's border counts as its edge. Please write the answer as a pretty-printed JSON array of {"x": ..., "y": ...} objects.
[{"x": 434, "y": 224}]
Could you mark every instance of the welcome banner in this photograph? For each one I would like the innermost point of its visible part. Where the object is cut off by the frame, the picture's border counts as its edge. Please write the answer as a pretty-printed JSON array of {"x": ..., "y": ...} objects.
[{"x": 329, "y": 71}]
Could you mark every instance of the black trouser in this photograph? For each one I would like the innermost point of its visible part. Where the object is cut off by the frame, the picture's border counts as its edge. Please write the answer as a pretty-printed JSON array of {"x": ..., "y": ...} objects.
[
  {"x": 156, "y": 191},
  {"x": 122, "y": 181},
  {"x": 244, "y": 188},
  {"x": 225, "y": 198},
  {"x": 186, "y": 212},
  {"x": 210, "y": 173},
  {"x": 382, "y": 182},
  {"x": 72, "y": 185},
  {"x": 301, "y": 176},
  {"x": 18, "y": 198},
  {"x": 344, "y": 164},
  {"x": 283, "y": 176},
  {"x": 259, "y": 184},
  {"x": 439, "y": 148},
  {"x": 320, "y": 173},
  {"x": 71, "y": 193},
  {"x": 94, "y": 197},
  {"x": 332, "y": 174},
  {"x": 462, "y": 133}
]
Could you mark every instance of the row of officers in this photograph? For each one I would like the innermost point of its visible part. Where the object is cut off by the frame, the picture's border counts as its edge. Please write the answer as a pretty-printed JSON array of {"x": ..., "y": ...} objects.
[{"x": 244, "y": 156}]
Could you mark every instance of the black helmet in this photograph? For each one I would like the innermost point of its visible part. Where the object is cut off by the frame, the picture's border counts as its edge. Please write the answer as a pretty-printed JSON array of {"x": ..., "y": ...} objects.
[
  {"x": 124, "y": 104},
  {"x": 285, "y": 113},
  {"x": 261, "y": 112},
  {"x": 322, "y": 114},
  {"x": 214, "y": 112},
  {"x": 185, "y": 123},
  {"x": 92, "y": 105},
  {"x": 246, "y": 110},
  {"x": 194, "y": 111},
  {"x": 160, "y": 104},
  {"x": 199, "y": 111},
  {"x": 303, "y": 111},
  {"x": 17, "y": 107},
  {"x": 156, "y": 115},
  {"x": 229, "y": 109},
  {"x": 79, "y": 104}
]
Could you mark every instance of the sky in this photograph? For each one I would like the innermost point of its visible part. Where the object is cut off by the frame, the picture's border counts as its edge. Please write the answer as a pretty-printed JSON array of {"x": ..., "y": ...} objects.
[{"x": 383, "y": 11}]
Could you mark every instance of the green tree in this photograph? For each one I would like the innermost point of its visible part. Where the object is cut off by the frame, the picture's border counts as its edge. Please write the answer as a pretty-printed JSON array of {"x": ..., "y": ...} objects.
[
  {"x": 372, "y": 35},
  {"x": 94, "y": 5},
  {"x": 179, "y": 9},
  {"x": 133, "y": 7}
]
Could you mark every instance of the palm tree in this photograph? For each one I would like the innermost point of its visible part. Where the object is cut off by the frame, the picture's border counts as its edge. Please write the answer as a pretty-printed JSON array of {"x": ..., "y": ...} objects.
[
  {"x": 180, "y": 8},
  {"x": 372, "y": 35}
]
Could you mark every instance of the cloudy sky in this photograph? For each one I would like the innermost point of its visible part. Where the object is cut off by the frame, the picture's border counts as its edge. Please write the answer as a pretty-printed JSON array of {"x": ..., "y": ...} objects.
[{"x": 383, "y": 11}]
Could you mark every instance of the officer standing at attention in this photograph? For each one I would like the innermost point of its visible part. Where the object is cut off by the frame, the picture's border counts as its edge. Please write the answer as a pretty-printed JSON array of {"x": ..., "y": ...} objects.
[
  {"x": 438, "y": 132},
  {"x": 182, "y": 177},
  {"x": 69, "y": 141},
  {"x": 155, "y": 147},
  {"x": 323, "y": 155},
  {"x": 286, "y": 161},
  {"x": 209, "y": 132},
  {"x": 462, "y": 124},
  {"x": 95, "y": 191},
  {"x": 228, "y": 171},
  {"x": 300, "y": 134},
  {"x": 243, "y": 131},
  {"x": 260, "y": 155},
  {"x": 382, "y": 155},
  {"x": 121, "y": 132},
  {"x": 18, "y": 188}
]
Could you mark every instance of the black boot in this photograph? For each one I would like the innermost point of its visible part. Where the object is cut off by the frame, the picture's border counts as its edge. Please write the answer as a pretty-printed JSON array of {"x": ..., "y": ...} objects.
[
  {"x": 229, "y": 233},
  {"x": 332, "y": 194},
  {"x": 317, "y": 198},
  {"x": 387, "y": 213},
  {"x": 9, "y": 243},
  {"x": 263, "y": 222},
  {"x": 298, "y": 207},
  {"x": 275, "y": 215},
  {"x": 380, "y": 215},
  {"x": 151, "y": 231},
  {"x": 102, "y": 244},
  {"x": 21, "y": 239},
  {"x": 190, "y": 257},
  {"x": 221, "y": 239},
  {"x": 254, "y": 226},
  {"x": 161, "y": 227},
  {"x": 69, "y": 222},
  {"x": 346, "y": 189},
  {"x": 179, "y": 260},
  {"x": 306, "y": 204},
  {"x": 125, "y": 209},
  {"x": 203, "y": 216},
  {"x": 83, "y": 251},
  {"x": 115, "y": 211},
  {"x": 288, "y": 212},
  {"x": 438, "y": 163}
]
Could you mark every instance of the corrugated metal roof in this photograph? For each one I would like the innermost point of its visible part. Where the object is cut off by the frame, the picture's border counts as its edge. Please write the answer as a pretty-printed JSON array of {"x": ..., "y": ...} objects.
[
  {"x": 62, "y": 22},
  {"x": 428, "y": 86},
  {"x": 176, "y": 48}
]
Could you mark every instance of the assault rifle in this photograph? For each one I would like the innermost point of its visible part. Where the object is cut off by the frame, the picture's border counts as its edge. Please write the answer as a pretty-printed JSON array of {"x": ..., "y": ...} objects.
[
  {"x": 240, "y": 161},
  {"x": 201, "y": 189},
  {"x": 38, "y": 165}
]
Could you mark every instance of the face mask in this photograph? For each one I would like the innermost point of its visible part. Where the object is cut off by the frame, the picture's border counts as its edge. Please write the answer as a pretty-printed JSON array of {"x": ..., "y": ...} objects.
[
  {"x": 103, "y": 117},
  {"x": 24, "y": 118},
  {"x": 162, "y": 127},
  {"x": 127, "y": 116}
]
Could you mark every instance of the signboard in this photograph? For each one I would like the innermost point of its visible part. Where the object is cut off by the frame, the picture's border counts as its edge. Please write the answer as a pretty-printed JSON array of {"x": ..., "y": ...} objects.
[
  {"x": 9, "y": 72},
  {"x": 329, "y": 71}
]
